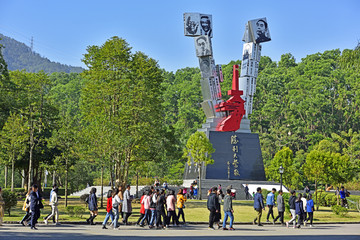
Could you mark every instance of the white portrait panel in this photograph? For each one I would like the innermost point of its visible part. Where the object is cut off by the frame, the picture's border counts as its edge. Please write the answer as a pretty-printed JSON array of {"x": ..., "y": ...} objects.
[
  {"x": 206, "y": 26},
  {"x": 192, "y": 24},
  {"x": 259, "y": 30},
  {"x": 203, "y": 46},
  {"x": 205, "y": 67}
]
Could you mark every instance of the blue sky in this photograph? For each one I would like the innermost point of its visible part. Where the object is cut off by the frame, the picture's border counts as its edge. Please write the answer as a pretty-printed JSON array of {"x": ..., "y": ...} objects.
[{"x": 63, "y": 29}]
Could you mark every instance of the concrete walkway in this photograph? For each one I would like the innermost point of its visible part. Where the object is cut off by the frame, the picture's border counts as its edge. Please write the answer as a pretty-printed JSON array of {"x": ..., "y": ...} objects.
[{"x": 86, "y": 232}]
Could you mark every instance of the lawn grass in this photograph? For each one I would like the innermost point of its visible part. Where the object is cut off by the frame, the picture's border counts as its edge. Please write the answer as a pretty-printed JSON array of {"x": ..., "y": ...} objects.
[{"x": 195, "y": 211}]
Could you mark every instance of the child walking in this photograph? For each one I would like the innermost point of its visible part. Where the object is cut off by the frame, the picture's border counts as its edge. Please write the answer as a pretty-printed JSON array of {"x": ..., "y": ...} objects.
[
  {"x": 299, "y": 208},
  {"x": 310, "y": 209},
  {"x": 109, "y": 213}
]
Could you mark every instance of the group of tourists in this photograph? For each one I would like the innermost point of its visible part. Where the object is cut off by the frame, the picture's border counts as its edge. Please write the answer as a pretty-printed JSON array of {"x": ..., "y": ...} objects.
[
  {"x": 33, "y": 204},
  {"x": 158, "y": 208},
  {"x": 301, "y": 207}
]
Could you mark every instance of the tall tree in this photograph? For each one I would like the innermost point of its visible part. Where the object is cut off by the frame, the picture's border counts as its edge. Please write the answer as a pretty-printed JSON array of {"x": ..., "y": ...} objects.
[{"x": 198, "y": 151}]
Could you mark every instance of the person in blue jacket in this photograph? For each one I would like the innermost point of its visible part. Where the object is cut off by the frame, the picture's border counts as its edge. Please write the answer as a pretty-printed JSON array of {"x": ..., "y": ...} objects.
[
  {"x": 310, "y": 209},
  {"x": 35, "y": 205},
  {"x": 258, "y": 206},
  {"x": 92, "y": 201},
  {"x": 270, "y": 202}
]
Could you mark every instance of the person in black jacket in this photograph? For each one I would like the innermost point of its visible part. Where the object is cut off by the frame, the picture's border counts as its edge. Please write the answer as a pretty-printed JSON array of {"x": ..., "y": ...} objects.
[
  {"x": 213, "y": 206},
  {"x": 292, "y": 200},
  {"x": 160, "y": 209},
  {"x": 35, "y": 202}
]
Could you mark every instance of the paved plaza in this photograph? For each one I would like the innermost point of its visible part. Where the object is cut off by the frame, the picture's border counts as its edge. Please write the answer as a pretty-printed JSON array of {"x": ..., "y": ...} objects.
[{"x": 269, "y": 232}]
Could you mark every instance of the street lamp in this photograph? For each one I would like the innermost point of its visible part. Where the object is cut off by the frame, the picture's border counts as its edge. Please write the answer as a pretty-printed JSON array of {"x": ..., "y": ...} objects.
[{"x": 281, "y": 171}]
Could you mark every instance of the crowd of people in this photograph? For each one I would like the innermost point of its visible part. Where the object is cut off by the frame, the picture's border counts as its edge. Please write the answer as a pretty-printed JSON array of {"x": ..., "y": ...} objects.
[
  {"x": 301, "y": 207},
  {"x": 160, "y": 207}
]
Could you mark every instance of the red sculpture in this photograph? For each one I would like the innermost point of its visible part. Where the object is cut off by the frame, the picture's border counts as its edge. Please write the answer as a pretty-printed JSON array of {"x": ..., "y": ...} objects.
[{"x": 233, "y": 108}]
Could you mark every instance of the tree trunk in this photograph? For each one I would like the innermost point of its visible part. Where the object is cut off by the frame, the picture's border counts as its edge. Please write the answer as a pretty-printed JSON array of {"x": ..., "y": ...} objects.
[
  {"x": 54, "y": 178},
  {"x": 66, "y": 182},
  {"x": 316, "y": 196},
  {"x": 137, "y": 184},
  {"x": 30, "y": 174},
  {"x": 23, "y": 178},
  {"x": 102, "y": 186},
  {"x": 200, "y": 197},
  {"x": 6, "y": 176},
  {"x": 12, "y": 173}
]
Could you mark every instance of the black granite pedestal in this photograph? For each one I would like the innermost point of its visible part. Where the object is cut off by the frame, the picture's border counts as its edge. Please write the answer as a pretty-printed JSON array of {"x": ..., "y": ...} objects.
[{"x": 237, "y": 156}]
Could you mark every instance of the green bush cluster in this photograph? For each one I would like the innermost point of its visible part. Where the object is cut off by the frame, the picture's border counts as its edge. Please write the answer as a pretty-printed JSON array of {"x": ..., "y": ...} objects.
[
  {"x": 339, "y": 210},
  {"x": 10, "y": 199},
  {"x": 76, "y": 211},
  {"x": 325, "y": 199}
]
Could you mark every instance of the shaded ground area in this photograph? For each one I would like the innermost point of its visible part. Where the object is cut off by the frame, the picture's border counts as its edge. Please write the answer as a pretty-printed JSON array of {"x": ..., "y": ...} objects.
[{"x": 319, "y": 232}]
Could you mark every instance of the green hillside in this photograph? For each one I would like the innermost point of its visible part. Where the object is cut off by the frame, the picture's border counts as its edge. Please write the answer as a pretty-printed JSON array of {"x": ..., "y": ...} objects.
[{"x": 18, "y": 56}]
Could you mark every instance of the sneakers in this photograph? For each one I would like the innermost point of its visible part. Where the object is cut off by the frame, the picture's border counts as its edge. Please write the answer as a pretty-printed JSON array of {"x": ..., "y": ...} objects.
[
  {"x": 225, "y": 228},
  {"x": 104, "y": 227},
  {"x": 311, "y": 226},
  {"x": 273, "y": 222},
  {"x": 267, "y": 221},
  {"x": 232, "y": 229},
  {"x": 211, "y": 228},
  {"x": 260, "y": 225},
  {"x": 46, "y": 222},
  {"x": 57, "y": 224}
]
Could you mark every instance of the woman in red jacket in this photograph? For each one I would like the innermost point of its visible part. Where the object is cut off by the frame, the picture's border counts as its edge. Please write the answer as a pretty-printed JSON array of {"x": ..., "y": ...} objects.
[
  {"x": 142, "y": 209},
  {"x": 109, "y": 212}
]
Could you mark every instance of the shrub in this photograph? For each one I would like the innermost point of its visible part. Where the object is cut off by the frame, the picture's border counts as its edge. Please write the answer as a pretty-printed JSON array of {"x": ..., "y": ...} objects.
[
  {"x": 76, "y": 211},
  {"x": 10, "y": 199},
  {"x": 330, "y": 199},
  {"x": 339, "y": 210}
]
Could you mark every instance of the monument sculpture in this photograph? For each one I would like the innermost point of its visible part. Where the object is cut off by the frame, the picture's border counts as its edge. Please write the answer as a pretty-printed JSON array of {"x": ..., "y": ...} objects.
[{"x": 237, "y": 151}]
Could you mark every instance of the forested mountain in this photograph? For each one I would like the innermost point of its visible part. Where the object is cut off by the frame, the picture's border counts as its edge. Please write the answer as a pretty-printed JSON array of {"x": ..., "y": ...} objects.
[{"x": 18, "y": 56}]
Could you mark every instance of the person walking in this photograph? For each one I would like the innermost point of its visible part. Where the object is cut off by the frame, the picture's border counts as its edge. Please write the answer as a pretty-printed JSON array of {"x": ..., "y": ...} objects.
[
  {"x": 51, "y": 192},
  {"x": 299, "y": 210},
  {"x": 26, "y": 208},
  {"x": 258, "y": 206},
  {"x": 54, "y": 209},
  {"x": 146, "y": 202},
  {"x": 2, "y": 204},
  {"x": 109, "y": 212},
  {"x": 213, "y": 206},
  {"x": 180, "y": 203},
  {"x": 142, "y": 209},
  {"x": 292, "y": 200},
  {"x": 247, "y": 194},
  {"x": 343, "y": 197},
  {"x": 153, "y": 202},
  {"x": 270, "y": 202},
  {"x": 127, "y": 204},
  {"x": 115, "y": 202},
  {"x": 281, "y": 208},
  {"x": 92, "y": 201},
  {"x": 310, "y": 209},
  {"x": 228, "y": 210},
  {"x": 35, "y": 204},
  {"x": 304, "y": 201},
  {"x": 160, "y": 210},
  {"x": 170, "y": 207}
]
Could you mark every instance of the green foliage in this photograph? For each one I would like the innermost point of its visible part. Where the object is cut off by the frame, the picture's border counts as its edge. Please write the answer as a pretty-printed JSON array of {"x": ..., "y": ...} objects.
[
  {"x": 10, "y": 200},
  {"x": 198, "y": 150},
  {"x": 291, "y": 177},
  {"x": 339, "y": 210},
  {"x": 76, "y": 211}
]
